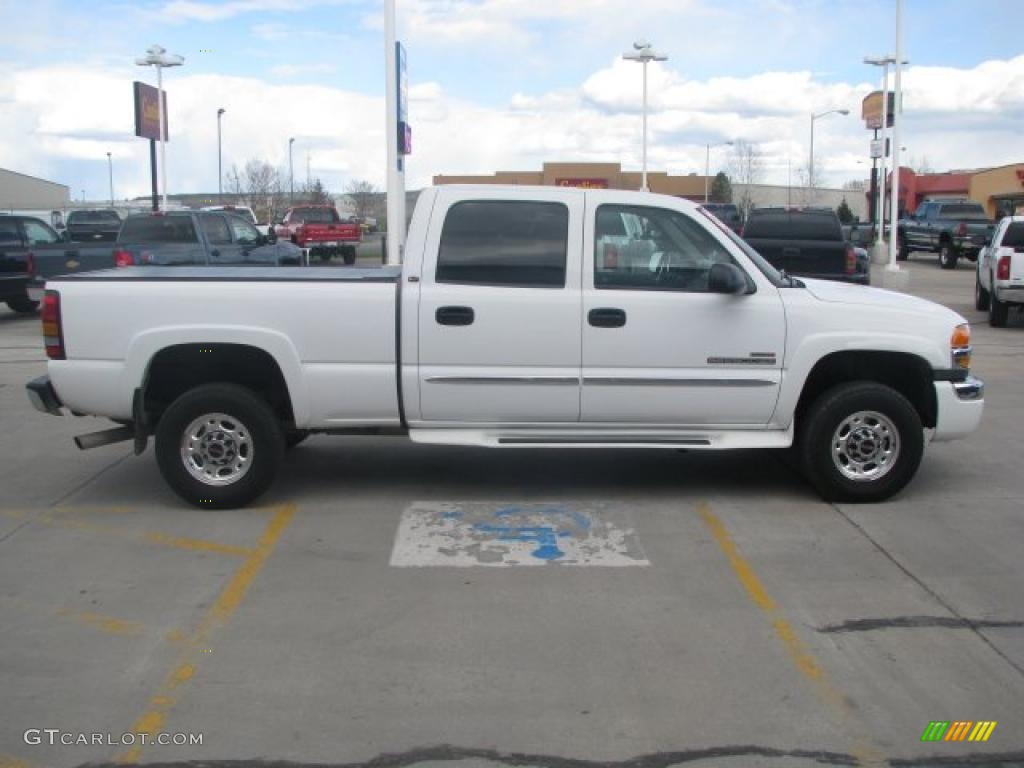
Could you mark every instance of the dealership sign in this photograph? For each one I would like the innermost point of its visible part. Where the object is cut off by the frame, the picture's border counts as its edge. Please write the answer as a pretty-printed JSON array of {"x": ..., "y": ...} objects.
[
  {"x": 147, "y": 112},
  {"x": 583, "y": 183},
  {"x": 871, "y": 109}
]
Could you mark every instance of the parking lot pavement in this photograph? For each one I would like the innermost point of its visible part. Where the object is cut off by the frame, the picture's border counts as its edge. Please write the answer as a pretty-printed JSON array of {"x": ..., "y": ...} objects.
[{"x": 385, "y": 602}]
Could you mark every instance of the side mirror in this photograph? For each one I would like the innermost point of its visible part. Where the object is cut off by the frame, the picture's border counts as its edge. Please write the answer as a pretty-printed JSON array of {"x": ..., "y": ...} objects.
[{"x": 727, "y": 278}]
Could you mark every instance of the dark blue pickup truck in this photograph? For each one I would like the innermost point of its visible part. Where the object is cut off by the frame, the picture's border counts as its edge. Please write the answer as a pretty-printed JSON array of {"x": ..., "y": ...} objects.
[{"x": 176, "y": 238}]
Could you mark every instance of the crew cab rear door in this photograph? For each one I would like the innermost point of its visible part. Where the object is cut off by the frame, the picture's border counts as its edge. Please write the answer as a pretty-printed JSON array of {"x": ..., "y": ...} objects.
[
  {"x": 659, "y": 350},
  {"x": 499, "y": 308}
]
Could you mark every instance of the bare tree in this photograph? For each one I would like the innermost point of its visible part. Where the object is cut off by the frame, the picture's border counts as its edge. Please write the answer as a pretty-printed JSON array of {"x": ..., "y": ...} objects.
[
  {"x": 363, "y": 196},
  {"x": 746, "y": 168},
  {"x": 259, "y": 186}
]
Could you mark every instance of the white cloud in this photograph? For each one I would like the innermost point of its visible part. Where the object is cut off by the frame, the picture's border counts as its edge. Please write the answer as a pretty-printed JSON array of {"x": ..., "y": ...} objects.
[
  {"x": 194, "y": 10},
  {"x": 294, "y": 70},
  {"x": 54, "y": 116}
]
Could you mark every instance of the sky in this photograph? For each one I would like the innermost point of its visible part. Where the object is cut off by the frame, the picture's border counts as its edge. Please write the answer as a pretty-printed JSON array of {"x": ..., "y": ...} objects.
[{"x": 499, "y": 85}]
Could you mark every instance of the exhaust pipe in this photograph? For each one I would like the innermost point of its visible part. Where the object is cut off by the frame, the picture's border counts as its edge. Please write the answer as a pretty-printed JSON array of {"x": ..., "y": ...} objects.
[{"x": 105, "y": 437}]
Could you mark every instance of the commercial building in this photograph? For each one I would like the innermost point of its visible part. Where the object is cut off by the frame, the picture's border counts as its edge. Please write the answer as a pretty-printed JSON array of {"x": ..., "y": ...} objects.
[
  {"x": 1000, "y": 190},
  {"x": 611, "y": 176},
  {"x": 21, "y": 192}
]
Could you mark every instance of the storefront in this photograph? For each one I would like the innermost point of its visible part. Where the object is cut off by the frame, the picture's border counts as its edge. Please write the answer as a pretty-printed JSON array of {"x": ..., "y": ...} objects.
[{"x": 1000, "y": 190}]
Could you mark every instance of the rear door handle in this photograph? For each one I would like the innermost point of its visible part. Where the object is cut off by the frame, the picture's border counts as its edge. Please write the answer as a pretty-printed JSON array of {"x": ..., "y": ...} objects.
[
  {"x": 454, "y": 316},
  {"x": 607, "y": 317}
]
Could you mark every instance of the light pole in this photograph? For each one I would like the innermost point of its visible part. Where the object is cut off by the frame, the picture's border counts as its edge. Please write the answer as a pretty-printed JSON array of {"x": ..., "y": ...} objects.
[
  {"x": 110, "y": 171},
  {"x": 157, "y": 56},
  {"x": 897, "y": 120},
  {"x": 291, "y": 172},
  {"x": 220, "y": 170},
  {"x": 643, "y": 53},
  {"x": 883, "y": 62},
  {"x": 810, "y": 161},
  {"x": 707, "y": 164}
]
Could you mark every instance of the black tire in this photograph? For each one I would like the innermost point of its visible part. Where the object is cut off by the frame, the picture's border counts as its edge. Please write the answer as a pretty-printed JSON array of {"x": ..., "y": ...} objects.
[
  {"x": 981, "y": 296},
  {"x": 902, "y": 252},
  {"x": 997, "y": 311},
  {"x": 252, "y": 418},
  {"x": 349, "y": 255},
  {"x": 294, "y": 437},
  {"x": 831, "y": 411},
  {"x": 947, "y": 256},
  {"x": 23, "y": 305}
]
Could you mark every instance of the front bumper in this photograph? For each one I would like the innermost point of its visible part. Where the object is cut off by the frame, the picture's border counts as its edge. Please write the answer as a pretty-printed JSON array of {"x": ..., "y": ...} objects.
[
  {"x": 43, "y": 396},
  {"x": 960, "y": 405}
]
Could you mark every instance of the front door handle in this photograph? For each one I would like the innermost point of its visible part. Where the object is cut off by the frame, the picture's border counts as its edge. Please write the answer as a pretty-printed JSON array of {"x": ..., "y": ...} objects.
[
  {"x": 454, "y": 316},
  {"x": 607, "y": 317}
]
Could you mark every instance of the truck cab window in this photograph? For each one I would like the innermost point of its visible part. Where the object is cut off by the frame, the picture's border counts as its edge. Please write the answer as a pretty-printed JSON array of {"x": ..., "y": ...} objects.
[
  {"x": 38, "y": 233},
  {"x": 216, "y": 230},
  {"x": 245, "y": 233},
  {"x": 504, "y": 243},
  {"x": 642, "y": 248}
]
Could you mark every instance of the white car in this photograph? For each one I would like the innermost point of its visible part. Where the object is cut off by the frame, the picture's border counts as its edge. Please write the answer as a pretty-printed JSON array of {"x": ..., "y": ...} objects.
[
  {"x": 510, "y": 326},
  {"x": 999, "y": 281}
]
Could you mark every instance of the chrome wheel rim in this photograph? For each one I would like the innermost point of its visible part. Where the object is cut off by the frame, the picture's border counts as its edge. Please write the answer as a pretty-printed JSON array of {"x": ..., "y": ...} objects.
[
  {"x": 865, "y": 446},
  {"x": 217, "y": 449}
]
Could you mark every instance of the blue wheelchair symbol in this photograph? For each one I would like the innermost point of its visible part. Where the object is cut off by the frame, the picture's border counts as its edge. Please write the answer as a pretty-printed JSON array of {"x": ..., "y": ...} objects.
[{"x": 545, "y": 536}]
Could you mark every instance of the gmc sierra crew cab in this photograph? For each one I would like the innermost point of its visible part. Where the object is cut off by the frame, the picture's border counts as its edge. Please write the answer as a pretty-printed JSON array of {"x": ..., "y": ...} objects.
[
  {"x": 320, "y": 230},
  {"x": 950, "y": 228},
  {"x": 515, "y": 322}
]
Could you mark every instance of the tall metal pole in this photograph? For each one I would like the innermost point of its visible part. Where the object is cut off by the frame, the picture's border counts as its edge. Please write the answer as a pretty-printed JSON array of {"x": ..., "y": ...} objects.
[
  {"x": 291, "y": 173},
  {"x": 894, "y": 196},
  {"x": 707, "y": 170},
  {"x": 810, "y": 166},
  {"x": 396, "y": 170},
  {"x": 163, "y": 133},
  {"x": 880, "y": 203},
  {"x": 643, "y": 182},
  {"x": 110, "y": 170},
  {"x": 220, "y": 167}
]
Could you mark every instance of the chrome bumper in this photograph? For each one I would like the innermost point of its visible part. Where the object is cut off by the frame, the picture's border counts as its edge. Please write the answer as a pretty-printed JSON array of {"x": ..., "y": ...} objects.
[
  {"x": 970, "y": 389},
  {"x": 43, "y": 396}
]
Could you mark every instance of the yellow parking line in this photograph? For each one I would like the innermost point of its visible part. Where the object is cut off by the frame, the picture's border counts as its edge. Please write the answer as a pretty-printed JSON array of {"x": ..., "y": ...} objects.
[
  {"x": 799, "y": 654},
  {"x": 107, "y": 624},
  {"x": 151, "y": 537},
  {"x": 217, "y": 615}
]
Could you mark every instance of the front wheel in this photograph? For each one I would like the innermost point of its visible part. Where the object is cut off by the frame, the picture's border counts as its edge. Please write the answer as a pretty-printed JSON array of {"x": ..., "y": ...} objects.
[
  {"x": 23, "y": 305},
  {"x": 947, "y": 256},
  {"x": 860, "y": 442},
  {"x": 219, "y": 446},
  {"x": 981, "y": 296}
]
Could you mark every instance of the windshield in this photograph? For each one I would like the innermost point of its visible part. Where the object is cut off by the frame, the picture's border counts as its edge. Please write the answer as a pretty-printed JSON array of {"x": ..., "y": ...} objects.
[
  {"x": 316, "y": 215},
  {"x": 92, "y": 217},
  {"x": 767, "y": 269}
]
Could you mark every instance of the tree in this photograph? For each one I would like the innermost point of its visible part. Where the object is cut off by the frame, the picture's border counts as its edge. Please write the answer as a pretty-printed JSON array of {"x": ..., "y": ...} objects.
[
  {"x": 258, "y": 186},
  {"x": 362, "y": 196},
  {"x": 844, "y": 213},
  {"x": 315, "y": 193},
  {"x": 746, "y": 169},
  {"x": 721, "y": 188}
]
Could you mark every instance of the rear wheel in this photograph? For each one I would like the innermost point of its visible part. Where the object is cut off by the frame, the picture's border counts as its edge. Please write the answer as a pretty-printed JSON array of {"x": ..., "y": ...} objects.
[
  {"x": 23, "y": 304},
  {"x": 981, "y": 296},
  {"x": 219, "y": 446},
  {"x": 349, "y": 254},
  {"x": 860, "y": 442},
  {"x": 947, "y": 256},
  {"x": 997, "y": 310}
]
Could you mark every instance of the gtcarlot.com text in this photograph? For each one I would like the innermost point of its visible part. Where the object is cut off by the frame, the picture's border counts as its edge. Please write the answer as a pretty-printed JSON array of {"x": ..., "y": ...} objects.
[{"x": 55, "y": 737}]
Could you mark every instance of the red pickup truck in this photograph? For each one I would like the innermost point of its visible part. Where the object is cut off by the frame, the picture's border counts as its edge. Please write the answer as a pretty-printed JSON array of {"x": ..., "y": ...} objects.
[{"x": 320, "y": 229}]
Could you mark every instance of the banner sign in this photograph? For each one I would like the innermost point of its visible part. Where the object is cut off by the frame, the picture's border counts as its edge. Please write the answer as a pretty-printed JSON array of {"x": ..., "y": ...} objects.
[
  {"x": 147, "y": 112},
  {"x": 404, "y": 131},
  {"x": 871, "y": 110}
]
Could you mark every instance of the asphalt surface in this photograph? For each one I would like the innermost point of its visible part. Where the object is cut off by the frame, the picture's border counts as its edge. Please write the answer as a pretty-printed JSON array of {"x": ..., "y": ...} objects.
[{"x": 724, "y": 615}]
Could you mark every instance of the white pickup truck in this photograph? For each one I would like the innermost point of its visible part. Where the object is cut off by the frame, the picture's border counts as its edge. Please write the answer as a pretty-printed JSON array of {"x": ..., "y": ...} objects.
[
  {"x": 999, "y": 280},
  {"x": 520, "y": 318}
]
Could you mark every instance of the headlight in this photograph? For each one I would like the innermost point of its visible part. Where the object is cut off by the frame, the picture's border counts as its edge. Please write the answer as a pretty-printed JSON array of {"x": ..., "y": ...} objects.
[{"x": 960, "y": 347}]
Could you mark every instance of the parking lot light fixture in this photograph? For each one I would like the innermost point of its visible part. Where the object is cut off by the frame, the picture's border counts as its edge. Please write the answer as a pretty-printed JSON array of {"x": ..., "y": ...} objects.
[
  {"x": 643, "y": 53},
  {"x": 707, "y": 164},
  {"x": 158, "y": 57},
  {"x": 810, "y": 160}
]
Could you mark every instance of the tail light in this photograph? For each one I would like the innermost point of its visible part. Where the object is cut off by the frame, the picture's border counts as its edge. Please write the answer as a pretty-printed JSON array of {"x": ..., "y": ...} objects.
[
  {"x": 851, "y": 260},
  {"x": 1003, "y": 268},
  {"x": 53, "y": 333},
  {"x": 962, "y": 229},
  {"x": 123, "y": 258},
  {"x": 30, "y": 265}
]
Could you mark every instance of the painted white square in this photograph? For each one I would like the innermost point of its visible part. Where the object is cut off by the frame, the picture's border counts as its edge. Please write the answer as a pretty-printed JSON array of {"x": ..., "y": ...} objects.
[{"x": 476, "y": 533}]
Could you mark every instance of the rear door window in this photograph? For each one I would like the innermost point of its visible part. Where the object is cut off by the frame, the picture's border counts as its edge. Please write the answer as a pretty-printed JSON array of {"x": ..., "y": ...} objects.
[
  {"x": 504, "y": 243},
  {"x": 1014, "y": 237},
  {"x": 9, "y": 234},
  {"x": 38, "y": 233}
]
